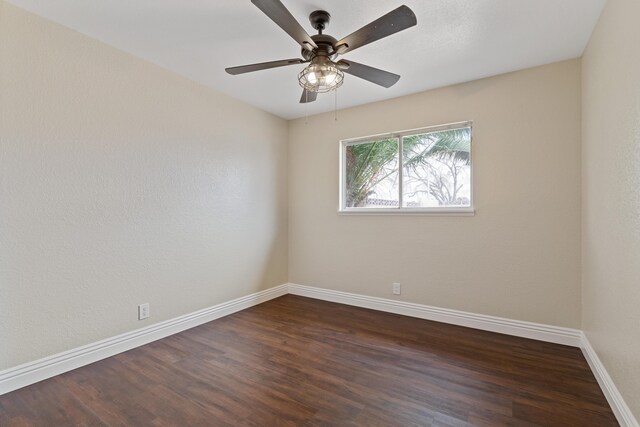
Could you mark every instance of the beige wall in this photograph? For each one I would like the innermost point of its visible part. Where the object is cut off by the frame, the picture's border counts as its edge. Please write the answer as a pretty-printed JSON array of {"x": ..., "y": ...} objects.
[
  {"x": 122, "y": 183},
  {"x": 611, "y": 195},
  {"x": 518, "y": 257}
]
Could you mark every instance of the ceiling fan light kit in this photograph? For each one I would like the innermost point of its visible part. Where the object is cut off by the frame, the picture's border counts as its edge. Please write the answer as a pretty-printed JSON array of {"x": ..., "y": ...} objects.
[
  {"x": 320, "y": 51},
  {"x": 321, "y": 78}
]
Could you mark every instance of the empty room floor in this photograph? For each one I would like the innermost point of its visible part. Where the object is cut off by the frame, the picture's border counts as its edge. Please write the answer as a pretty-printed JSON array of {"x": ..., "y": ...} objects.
[{"x": 296, "y": 361}]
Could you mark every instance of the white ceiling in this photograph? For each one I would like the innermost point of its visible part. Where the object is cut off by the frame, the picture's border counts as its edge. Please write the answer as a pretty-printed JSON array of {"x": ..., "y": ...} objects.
[{"x": 455, "y": 41}]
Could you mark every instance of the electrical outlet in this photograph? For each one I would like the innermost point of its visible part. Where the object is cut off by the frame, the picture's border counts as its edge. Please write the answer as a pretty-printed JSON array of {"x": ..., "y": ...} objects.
[
  {"x": 143, "y": 311},
  {"x": 396, "y": 289}
]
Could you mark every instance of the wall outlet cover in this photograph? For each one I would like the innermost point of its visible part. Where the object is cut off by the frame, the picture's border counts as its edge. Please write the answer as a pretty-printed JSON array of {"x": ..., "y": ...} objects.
[
  {"x": 143, "y": 311},
  {"x": 397, "y": 289}
]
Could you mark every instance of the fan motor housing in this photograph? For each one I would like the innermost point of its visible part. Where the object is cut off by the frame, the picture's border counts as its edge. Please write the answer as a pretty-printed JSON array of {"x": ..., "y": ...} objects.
[{"x": 326, "y": 46}]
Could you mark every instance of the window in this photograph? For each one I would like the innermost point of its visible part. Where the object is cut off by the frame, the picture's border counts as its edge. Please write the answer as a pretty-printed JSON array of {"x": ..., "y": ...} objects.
[{"x": 420, "y": 171}]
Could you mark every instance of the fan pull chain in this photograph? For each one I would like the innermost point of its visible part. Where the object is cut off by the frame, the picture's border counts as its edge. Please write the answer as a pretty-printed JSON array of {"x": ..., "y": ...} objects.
[
  {"x": 335, "y": 107},
  {"x": 306, "y": 107}
]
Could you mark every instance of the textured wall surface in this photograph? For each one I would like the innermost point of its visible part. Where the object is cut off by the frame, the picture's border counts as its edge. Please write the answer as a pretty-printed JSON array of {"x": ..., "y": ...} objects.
[
  {"x": 122, "y": 183},
  {"x": 518, "y": 257},
  {"x": 611, "y": 195}
]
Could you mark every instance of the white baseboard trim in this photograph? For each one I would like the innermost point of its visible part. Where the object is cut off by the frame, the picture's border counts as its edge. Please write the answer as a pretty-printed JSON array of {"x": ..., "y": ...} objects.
[
  {"x": 617, "y": 403},
  {"x": 30, "y": 373},
  {"x": 518, "y": 328}
]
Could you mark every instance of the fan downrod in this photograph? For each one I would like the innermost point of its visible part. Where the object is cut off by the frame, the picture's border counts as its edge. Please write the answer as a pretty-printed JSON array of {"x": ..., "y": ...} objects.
[{"x": 319, "y": 20}]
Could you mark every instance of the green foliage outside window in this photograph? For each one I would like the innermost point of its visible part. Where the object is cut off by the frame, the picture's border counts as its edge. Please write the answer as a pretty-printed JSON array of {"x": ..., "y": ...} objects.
[{"x": 435, "y": 169}]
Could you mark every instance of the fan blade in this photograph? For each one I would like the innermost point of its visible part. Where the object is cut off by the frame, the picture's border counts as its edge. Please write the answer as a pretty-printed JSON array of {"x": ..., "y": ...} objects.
[
  {"x": 279, "y": 14},
  {"x": 263, "y": 66},
  {"x": 308, "y": 96},
  {"x": 374, "y": 75},
  {"x": 394, "y": 21}
]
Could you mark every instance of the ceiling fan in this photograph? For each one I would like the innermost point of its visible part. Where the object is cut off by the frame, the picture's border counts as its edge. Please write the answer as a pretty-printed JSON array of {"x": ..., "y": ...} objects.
[{"x": 324, "y": 73}]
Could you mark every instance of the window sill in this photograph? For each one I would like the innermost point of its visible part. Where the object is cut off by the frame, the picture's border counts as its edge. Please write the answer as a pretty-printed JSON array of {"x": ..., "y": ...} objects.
[{"x": 409, "y": 211}]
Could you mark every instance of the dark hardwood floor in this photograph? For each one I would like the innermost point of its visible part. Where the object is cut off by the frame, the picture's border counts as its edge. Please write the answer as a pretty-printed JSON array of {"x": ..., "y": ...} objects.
[{"x": 295, "y": 361}]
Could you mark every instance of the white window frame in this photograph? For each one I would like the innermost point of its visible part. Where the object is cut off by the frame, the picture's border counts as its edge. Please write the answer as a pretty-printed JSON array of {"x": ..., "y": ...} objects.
[{"x": 401, "y": 210}]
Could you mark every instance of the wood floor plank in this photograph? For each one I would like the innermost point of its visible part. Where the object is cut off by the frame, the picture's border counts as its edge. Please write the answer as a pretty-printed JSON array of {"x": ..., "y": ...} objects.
[{"x": 295, "y": 361}]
